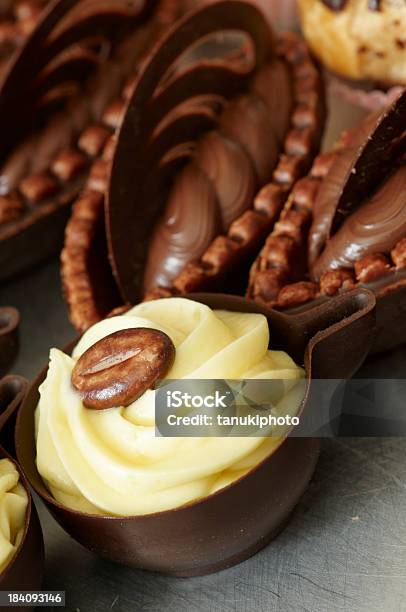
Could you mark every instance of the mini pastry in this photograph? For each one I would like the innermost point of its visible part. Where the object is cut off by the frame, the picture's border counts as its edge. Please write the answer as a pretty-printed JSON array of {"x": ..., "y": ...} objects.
[
  {"x": 244, "y": 493},
  {"x": 73, "y": 86},
  {"x": 359, "y": 39},
  {"x": 227, "y": 135},
  {"x": 13, "y": 509},
  {"x": 96, "y": 446},
  {"x": 355, "y": 233}
]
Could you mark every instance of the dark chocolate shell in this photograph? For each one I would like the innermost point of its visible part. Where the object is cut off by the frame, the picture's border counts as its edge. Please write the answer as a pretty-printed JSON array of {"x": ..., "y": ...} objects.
[
  {"x": 356, "y": 198},
  {"x": 24, "y": 572},
  {"x": 70, "y": 68},
  {"x": 9, "y": 337},
  {"x": 234, "y": 523}
]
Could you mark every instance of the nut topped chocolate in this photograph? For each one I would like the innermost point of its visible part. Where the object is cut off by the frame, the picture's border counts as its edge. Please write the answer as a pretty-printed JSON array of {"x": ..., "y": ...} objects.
[
  {"x": 13, "y": 510},
  {"x": 110, "y": 461}
]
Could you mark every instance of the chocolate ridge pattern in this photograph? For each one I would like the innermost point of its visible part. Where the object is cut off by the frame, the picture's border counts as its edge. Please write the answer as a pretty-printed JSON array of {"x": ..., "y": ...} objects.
[
  {"x": 88, "y": 285},
  {"x": 248, "y": 232},
  {"x": 27, "y": 206}
]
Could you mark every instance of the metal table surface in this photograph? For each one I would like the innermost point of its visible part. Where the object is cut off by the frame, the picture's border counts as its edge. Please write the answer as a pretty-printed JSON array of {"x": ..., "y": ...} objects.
[{"x": 344, "y": 549}]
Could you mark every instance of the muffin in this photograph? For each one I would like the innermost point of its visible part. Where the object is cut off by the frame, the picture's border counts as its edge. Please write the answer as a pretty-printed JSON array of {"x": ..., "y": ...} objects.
[{"x": 358, "y": 39}]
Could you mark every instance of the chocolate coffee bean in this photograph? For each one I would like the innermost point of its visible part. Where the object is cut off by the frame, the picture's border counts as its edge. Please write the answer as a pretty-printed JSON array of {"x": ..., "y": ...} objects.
[{"x": 118, "y": 369}]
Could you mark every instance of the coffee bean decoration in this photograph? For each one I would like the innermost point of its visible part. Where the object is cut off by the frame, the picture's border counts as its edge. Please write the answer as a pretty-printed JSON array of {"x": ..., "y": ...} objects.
[{"x": 119, "y": 368}]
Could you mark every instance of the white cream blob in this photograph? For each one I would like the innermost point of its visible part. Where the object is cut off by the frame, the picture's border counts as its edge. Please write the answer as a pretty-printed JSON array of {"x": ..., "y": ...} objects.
[{"x": 13, "y": 510}]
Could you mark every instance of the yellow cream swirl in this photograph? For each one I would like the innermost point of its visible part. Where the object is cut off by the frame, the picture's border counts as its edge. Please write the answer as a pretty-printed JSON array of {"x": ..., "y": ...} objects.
[
  {"x": 13, "y": 509},
  {"x": 110, "y": 462}
]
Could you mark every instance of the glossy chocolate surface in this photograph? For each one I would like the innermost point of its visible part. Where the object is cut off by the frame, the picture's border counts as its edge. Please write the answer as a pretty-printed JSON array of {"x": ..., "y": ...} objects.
[
  {"x": 375, "y": 227},
  {"x": 179, "y": 235},
  {"x": 360, "y": 206},
  {"x": 167, "y": 204}
]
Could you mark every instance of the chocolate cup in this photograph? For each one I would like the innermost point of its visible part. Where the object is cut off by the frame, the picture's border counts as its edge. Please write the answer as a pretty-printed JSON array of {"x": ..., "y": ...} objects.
[
  {"x": 25, "y": 571},
  {"x": 232, "y": 524},
  {"x": 9, "y": 337}
]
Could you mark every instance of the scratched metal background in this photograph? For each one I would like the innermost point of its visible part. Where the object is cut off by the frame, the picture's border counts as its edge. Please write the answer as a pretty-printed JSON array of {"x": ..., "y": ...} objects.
[{"x": 345, "y": 548}]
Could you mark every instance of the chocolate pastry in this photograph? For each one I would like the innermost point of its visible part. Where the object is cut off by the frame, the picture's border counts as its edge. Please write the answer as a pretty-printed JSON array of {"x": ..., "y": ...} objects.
[
  {"x": 71, "y": 68},
  {"x": 356, "y": 199},
  {"x": 25, "y": 570},
  {"x": 223, "y": 152},
  {"x": 9, "y": 337},
  {"x": 232, "y": 524}
]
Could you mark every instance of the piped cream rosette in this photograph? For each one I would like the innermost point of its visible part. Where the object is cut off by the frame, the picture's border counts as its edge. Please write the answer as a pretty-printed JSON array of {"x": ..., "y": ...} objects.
[
  {"x": 13, "y": 510},
  {"x": 110, "y": 462}
]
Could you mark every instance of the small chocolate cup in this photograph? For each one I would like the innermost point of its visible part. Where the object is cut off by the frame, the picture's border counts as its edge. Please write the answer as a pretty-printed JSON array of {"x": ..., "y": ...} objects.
[
  {"x": 232, "y": 524},
  {"x": 25, "y": 571},
  {"x": 9, "y": 337}
]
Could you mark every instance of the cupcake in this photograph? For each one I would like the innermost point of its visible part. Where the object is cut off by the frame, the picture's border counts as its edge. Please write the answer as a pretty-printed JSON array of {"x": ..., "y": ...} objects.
[
  {"x": 181, "y": 505},
  {"x": 361, "y": 41},
  {"x": 205, "y": 159},
  {"x": 356, "y": 228}
]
